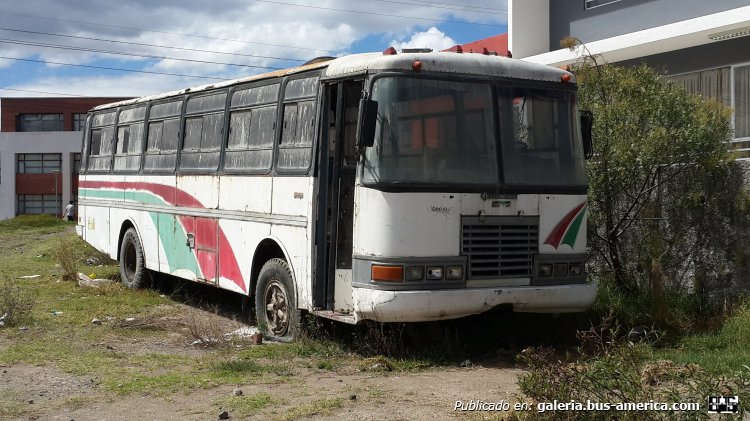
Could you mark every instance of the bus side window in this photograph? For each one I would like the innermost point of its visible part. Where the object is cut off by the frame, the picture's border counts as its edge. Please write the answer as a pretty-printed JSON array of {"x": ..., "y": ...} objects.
[
  {"x": 298, "y": 125},
  {"x": 101, "y": 142},
  {"x": 204, "y": 127},
  {"x": 163, "y": 136},
  {"x": 252, "y": 128},
  {"x": 129, "y": 139}
]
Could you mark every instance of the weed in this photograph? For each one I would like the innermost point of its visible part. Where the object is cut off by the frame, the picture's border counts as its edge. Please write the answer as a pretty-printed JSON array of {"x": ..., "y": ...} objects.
[
  {"x": 16, "y": 304},
  {"x": 244, "y": 406},
  {"x": 323, "y": 406},
  {"x": 207, "y": 331},
  {"x": 67, "y": 257}
]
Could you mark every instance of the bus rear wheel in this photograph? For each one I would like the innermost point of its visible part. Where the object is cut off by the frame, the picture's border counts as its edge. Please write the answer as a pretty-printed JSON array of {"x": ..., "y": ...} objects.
[
  {"x": 133, "y": 270},
  {"x": 275, "y": 303}
]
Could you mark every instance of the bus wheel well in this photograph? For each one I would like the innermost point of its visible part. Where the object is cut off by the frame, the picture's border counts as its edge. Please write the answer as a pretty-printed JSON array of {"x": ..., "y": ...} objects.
[
  {"x": 267, "y": 250},
  {"x": 125, "y": 226}
]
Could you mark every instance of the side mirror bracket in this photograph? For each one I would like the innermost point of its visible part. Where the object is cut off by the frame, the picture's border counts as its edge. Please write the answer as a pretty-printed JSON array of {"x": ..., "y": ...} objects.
[
  {"x": 587, "y": 122},
  {"x": 368, "y": 119}
]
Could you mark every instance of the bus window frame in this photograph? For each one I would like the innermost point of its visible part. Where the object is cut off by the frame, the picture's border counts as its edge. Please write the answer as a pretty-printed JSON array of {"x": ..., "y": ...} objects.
[
  {"x": 90, "y": 128},
  {"x": 146, "y": 130},
  {"x": 317, "y": 99},
  {"x": 181, "y": 135},
  {"x": 243, "y": 87},
  {"x": 143, "y": 139}
]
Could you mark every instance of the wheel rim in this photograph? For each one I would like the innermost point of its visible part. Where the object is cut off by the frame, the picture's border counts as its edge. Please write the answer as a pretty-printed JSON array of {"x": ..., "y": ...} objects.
[
  {"x": 129, "y": 261},
  {"x": 277, "y": 309}
]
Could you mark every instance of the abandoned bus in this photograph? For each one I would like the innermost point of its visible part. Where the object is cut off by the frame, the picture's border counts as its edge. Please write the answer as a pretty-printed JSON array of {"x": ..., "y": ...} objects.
[{"x": 393, "y": 187}]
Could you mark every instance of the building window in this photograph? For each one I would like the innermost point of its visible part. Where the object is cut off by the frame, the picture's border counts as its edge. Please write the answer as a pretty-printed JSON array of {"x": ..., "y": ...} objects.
[
  {"x": 76, "y": 167},
  {"x": 36, "y": 204},
  {"x": 40, "y": 123},
  {"x": 79, "y": 122},
  {"x": 712, "y": 85},
  {"x": 742, "y": 101},
  {"x": 590, "y": 4},
  {"x": 38, "y": 163}
]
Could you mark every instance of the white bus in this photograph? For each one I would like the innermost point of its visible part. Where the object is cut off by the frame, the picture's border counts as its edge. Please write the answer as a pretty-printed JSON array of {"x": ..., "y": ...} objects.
[{"x": 393, "y": 187}]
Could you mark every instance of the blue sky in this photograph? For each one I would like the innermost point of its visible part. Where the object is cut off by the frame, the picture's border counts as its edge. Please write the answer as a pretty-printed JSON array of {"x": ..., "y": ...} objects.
[{"x": 218, "y": 39}]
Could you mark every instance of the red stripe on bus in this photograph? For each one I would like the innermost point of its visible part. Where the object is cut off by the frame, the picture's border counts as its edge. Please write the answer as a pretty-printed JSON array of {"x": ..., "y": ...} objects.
[
  {"x": 205, "y": 233},
  {"x": 557, "y": 233}
]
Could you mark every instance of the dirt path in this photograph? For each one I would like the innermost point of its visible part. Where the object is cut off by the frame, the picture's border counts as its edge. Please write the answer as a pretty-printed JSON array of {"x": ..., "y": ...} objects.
[{"x": 47, "y": 393}]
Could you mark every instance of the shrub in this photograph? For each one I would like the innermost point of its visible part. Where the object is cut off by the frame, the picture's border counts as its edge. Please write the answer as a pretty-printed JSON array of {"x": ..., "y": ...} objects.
[
  {"x": 15, "y": 304},
  {"x": 608, "y": 368}
]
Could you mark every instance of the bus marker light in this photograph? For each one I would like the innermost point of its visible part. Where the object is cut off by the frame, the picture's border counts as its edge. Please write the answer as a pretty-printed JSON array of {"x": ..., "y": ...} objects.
[
  {"x": 390, "y": 51},
  {"x": 565, "y": 77},
  {"x": 414, "y": 273},
  {"x": 416, "y": 66},
  {"x": 454, "y": 273},
  {"x": 387, "y": 273},
  {"x": 575, "y": 269},
  {"x": 560, "y": 270},
  {"x": 434, "y": 272}
]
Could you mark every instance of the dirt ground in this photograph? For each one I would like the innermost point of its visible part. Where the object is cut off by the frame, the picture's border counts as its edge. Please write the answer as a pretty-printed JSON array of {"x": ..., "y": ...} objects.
[
  {"x": 45, "y": 392},
  {"x": 429, "y": 395}
]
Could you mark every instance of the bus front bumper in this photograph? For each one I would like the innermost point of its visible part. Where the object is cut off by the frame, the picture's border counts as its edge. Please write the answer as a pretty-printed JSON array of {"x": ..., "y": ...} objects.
[{"x": 416, "y": 306}]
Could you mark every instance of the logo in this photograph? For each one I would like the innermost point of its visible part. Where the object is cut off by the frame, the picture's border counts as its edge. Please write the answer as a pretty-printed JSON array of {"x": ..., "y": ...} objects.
[
  {"x": 723, "y": 404},
  {"x": 566, "y": 231}
]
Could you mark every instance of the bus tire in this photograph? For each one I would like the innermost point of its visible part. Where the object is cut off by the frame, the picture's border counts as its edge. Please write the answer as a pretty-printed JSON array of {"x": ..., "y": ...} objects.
[
  {"x": 133, "y": 270},
  {"x": 276, "y": 309}
]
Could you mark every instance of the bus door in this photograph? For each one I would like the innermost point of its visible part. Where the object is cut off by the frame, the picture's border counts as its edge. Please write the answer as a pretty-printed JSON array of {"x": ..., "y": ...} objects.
[{"x": 333, "y": 290}]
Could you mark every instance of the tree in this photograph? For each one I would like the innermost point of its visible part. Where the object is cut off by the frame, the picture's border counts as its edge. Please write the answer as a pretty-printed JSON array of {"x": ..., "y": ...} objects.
[{"x": 665, "y": 192}]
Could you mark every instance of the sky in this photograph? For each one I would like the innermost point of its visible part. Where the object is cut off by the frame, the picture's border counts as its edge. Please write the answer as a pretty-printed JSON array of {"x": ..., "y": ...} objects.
[{"x": 173, "y": 44}]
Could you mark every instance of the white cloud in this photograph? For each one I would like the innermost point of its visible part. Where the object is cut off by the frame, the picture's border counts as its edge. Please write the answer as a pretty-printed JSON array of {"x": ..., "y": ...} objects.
[
  {"x": 431, "y": 38},
  {"x": 240, "y": 29}
]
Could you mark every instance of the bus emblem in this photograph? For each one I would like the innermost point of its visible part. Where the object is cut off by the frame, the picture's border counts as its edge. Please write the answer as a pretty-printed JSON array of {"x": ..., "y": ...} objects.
[{"x": 566, "y": 231}]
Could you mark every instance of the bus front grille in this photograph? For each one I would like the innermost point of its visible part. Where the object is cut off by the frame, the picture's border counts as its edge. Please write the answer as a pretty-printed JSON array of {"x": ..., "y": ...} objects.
[{"x": 499, "y": 246}]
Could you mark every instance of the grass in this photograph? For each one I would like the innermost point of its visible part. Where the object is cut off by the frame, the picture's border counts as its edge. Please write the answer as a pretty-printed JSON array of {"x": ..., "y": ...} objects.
[
  {"x": 244, "y": 406},
  {"x": 723, "y": 352},
  {"x": 324, "y": 406}
]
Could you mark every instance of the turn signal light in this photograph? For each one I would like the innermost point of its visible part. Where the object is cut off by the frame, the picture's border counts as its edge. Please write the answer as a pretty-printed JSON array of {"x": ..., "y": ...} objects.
[{"x": 387, "y": 273}]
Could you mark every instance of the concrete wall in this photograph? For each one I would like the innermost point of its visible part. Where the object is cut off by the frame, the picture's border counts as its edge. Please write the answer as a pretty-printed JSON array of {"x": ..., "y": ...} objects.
[
  {"x": 11, "y": 144},
  {"x": 568, "y": 17}
]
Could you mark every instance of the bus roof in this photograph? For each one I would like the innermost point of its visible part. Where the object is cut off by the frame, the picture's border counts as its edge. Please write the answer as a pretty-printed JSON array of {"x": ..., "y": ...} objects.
[{"x": 360, "y": 64}]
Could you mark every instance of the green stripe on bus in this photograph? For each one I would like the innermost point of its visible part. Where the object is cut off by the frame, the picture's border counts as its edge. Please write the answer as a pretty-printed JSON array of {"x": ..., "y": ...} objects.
[
  {"x": 171, "y": 235},
  {"x": 572, "y": 233}
]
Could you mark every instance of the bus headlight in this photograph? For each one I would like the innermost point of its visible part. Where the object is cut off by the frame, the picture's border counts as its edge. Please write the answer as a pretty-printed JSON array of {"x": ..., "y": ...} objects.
[
  {"x": 575, "y": 269},
  {"x": 454, "y": 273},
  {"x": 545, "y": 270},
  {"x": 434, "y": 273}
]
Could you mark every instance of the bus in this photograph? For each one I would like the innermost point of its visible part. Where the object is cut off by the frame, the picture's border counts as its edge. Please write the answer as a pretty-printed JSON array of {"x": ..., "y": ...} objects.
[{"x": 393, "y": 187}]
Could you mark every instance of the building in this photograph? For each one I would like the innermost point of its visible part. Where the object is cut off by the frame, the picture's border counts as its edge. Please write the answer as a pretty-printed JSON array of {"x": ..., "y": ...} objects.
[
  {"x": 40, "y": 145},
  {"x": 702, "y": 45}
]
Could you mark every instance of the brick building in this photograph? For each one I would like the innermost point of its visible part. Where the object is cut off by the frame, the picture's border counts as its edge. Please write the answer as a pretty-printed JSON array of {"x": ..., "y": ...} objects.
[{"x": 40, "y": 145}]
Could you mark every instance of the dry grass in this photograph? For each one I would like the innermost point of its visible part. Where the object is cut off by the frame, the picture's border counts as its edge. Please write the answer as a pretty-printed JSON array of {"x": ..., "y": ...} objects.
[
  {"x": 15, "y": 304},
  {"x": 209, "y": 329},
  {"x": 67, "y": 257}
]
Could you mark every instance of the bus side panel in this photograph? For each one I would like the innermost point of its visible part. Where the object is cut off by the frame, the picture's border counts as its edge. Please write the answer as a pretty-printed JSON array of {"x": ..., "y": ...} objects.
[
  {"x": 96, "y": 229},
  {"x": 246, "y": 193},
  {"x": 243, "y": 238},
  {"x": 293, "y": 196},
  {"x": 296, "y": 243}
]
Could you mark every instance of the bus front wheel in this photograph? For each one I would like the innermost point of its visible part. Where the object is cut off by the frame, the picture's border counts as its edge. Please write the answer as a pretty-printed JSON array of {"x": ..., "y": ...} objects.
[
  {"x": 275, "y": 303},
  {"x": 132, "y": 262}
]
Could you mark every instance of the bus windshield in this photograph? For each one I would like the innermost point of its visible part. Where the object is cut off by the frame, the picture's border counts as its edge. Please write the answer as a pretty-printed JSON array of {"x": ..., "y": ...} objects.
[{"x": 437, "y": 132}]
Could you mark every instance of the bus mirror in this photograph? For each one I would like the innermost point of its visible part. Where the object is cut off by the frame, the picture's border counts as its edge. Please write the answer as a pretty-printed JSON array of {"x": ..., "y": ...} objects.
[
  {"x": 587, "y": 122},
  {"x": 368, "y": 120}
]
